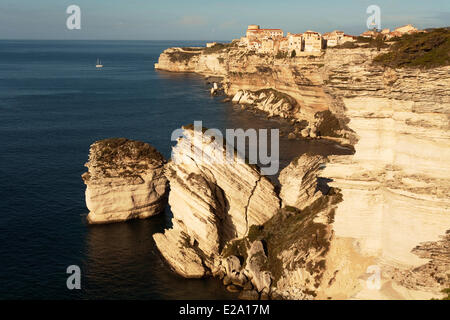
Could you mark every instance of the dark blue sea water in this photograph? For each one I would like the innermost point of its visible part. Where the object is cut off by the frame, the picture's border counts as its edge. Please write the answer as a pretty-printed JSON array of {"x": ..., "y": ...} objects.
[{"x": 53, "y": 104}]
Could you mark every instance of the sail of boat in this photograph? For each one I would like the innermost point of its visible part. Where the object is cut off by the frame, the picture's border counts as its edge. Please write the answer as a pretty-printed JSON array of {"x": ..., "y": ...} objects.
[{"x": 99, "y": 64}]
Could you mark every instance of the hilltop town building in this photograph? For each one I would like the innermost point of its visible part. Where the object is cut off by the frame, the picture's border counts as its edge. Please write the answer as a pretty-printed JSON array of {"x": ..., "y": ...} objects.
[
  {"x": 333, "y": 38},
  {"x": 273, "y": 40},
  {"x": 348, "y": 38},
  {"x": 254, "y": 32},
  {"x": 336, "y": 38},
  {"x": 369, "y": 34},
  {"x": 295, "y": 42},
  {"x": 283, "y": 44},
  {"x": 409, "y": 28},
  {"x": 254, "y": 45},
  {"x": 312, "y": 41},
  {"x": 387, "y": 34},
  {"x": 268, "y": 45}
]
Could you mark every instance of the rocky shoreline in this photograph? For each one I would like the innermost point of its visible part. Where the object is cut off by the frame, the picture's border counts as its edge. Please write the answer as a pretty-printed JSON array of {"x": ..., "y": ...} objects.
[{"x": 335, "y": 219}]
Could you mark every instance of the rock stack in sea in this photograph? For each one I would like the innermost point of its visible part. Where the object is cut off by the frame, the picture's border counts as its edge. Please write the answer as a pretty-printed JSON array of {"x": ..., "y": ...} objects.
[
  {"x": 125, "y": 180},
  {"x": 213, "y": 202}
]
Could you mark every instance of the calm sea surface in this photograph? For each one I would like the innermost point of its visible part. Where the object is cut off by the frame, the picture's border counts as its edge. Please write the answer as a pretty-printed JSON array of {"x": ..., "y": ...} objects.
[{"x": 53, "y": 104}]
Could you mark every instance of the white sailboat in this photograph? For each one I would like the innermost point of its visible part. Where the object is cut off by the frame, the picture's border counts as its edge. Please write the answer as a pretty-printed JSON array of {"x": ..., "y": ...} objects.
[{"x": 99, "y": 64}]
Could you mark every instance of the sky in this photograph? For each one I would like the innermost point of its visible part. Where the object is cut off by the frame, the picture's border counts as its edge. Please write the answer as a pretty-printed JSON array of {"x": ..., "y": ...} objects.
[{"x": 206, "y": 19}]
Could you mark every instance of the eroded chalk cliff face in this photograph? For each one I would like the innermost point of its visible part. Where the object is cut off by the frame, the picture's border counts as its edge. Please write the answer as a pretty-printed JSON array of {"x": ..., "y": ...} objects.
[
  {"x": 243, "y": 70},
  {"x": 212, "y": 201},
  {"x": 381, "y": 231},
  {"x": 296, "y": 241},
  {"x": 291, "y": 88},
  {"x": 125, "y": 180},
  {"x": 395, "y": 186}
]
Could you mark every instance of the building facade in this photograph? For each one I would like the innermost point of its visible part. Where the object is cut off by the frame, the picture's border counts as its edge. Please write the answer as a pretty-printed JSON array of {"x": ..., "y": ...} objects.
[
  {"x": 409, "y": 28},
  {"x": 295, "y": 42},
  {"x": 273, "y": 41},
  {"x": 334, "y": 38},
  {"x": 312, "y": 41},
  {"x": 254, "y": 32}
]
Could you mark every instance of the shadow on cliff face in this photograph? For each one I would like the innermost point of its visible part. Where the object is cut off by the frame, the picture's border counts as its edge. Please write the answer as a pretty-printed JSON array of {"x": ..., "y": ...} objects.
[
  {"x": 293, "y": 240},
  {"x": 322, "y": 185},
  {"x": 226, "y": 227},
  {"x": 329, "y": 124}
]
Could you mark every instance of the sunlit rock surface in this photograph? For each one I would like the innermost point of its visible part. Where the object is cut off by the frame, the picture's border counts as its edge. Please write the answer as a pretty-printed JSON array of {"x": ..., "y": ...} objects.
[
  {"x": 395, "y": 187},
  {"x": 388, "y": 212},
  {"x": 125, "y": 180},
  {"x": 212, "y": 201},
  {"x": 299, "y": 187}
]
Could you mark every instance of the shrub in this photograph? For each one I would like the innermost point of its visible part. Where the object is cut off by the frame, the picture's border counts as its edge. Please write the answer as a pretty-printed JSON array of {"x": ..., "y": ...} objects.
[
  {"x": 420, "y": 50},
  {"x": 192, "y": 48},
  {"x": 281, "y": 55},
  {"x": 218, "y": 47},
  {"x": 369, "y": 42},
  {"x": 447, "y": 292},
  {"x": 347, "y": 45},
  {"x": 181, "y": 56},
  {"x": 361, "y": 39}
]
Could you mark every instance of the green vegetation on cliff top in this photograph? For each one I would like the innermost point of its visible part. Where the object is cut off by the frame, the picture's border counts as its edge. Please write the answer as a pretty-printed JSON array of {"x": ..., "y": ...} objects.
[
  {"x": 447, "y": 292},
  {"x": 290, "y": 229},
  {"x": 180, "y": 56},
  {"x": 115, "y": 150},
  {"x": 418, "y": 50},
  {"x": 218, "y": 47}
]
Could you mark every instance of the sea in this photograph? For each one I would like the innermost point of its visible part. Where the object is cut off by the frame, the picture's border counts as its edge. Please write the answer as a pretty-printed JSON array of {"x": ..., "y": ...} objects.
[{"x": 54, "y": 104}]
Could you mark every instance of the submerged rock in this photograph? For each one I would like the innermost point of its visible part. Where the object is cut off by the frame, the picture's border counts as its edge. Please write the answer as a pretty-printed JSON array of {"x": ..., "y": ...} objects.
[{"x": 125, "y": 180}]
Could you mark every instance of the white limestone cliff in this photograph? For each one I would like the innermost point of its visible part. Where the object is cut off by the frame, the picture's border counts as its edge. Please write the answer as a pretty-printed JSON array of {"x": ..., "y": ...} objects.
[
  {"x": 388, "y": 209},
  {"x": 125, "y": 180},
  {"x": 299, "y": 181},
  {"x": 395, "y": 186},
  {"x": 212, "y": 202}
]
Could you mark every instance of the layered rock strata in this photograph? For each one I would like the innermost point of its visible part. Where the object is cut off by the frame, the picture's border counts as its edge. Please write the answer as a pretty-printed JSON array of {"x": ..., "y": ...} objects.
[
  {"x": 125, "y": 180},
  {"x": 381, "y": 230},
  {"x": 290, "y": 88},
  {"x": 395, "y": 186},
  {"x": 212, "y": 202},
  {"x": 285, "y": 257},
  {"x": 299, "y": 184}
]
